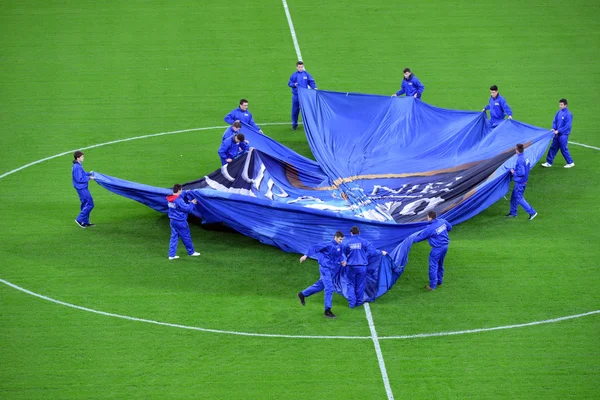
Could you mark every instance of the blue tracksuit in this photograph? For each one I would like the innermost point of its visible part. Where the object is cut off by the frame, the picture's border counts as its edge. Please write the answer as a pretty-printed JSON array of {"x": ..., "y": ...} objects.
[
  {"x": 299, "y": 79},
  {"x": 230, "y": 149},
  {"x": 520, "y": 176},
  {"x": 330, "y": 255},
  {"x": 178, "y": 213},
  {"x": 437, "y": 233},
  {"x": 228, "y": 132},
  {"x": 357, "y": 251},
  {"x": 242, "y": 116},
  {"x": 498, "y": 109},
  {"x": 562, "y": 123},
  {"x": 411, "y": 86},
  {"x": 80, "y": 183}
]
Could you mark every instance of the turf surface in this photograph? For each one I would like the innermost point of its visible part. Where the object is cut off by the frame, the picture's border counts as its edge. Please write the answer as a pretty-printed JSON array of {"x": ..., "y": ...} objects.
[{"x": 75, "y": 74}]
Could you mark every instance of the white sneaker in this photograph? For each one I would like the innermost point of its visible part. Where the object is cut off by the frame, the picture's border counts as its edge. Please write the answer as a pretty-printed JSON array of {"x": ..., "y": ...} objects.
[
  {"x": 532, "y": 216},
  {"x": 546, "y": 165},
  {"x": 195, "y": 254},
  {"x": 570, "y": 165},
  {"x": 173, "y": 258}
]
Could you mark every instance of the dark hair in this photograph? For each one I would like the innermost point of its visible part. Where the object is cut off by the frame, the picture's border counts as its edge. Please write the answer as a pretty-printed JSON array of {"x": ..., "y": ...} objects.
[
  {"x": 77, "y": 154},
  {"x": 242, "y": 101},
  {"x": 407, "y": 70},
  {"x": 299, "y": 63},
  {"x": 237, "y": 124},
  {"x": 339, "y": 234},
  {"x": 494, "y": 87},
  {"x": 240, "y": 137},
  {"x": 355, "y": 230},
  {"x": 520, "y": 148},
  {"x": 176, "y": 187},
  {"x": 564, "y": 101},
  {"x": 432, "y": 214}
]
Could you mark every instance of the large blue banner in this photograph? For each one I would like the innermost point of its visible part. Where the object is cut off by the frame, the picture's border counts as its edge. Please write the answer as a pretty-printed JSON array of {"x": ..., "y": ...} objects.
[{"x": 382, "y": 164}]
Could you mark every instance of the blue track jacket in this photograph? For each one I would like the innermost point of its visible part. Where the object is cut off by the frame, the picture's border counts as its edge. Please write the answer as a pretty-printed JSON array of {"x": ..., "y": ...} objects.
[
  {"x": 521, "y": 169},
  {"x": 411, "y": 86},
  {"x": 358, "y": 251},
  {"x": 228, "y": 132},
  {"x": 80, "y": 177},
  {"x": 436, "y": 232},
  {"x": 230, "y": 149},
  {"x": 303, "y": 79},
  {"x": 498, "y": 109},
  {"x": 242, "y": 116},
  {"x": 178, "y": 208},
  {"x": 563, "y": 121},
  {"x": 330, "y": 254}
]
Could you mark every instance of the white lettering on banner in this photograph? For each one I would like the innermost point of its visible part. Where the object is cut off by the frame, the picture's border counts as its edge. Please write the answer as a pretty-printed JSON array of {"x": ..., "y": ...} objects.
[
  {"x": 305, "y": 198},
  {"x": 270, "y": 193},
  {"x": 410, "y": 208},
  {"x": 260, "y": 176}
]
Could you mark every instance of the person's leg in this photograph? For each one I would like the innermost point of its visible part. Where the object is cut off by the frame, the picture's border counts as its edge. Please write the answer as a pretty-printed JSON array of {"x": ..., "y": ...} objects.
[
  {"x": 523, "y": 203},
  {"x": 514, "y": 204},
  {"x": 87, "y": 204},
  {"x": 440, "y": 271},
  {"x": 186, "y": 237},
  {"x": 564, "y": 148},
  {"x": 360, "y": 284},
  {"x": 295, "y": 111},
  {"x": 327, "y": 280},
  {"x": 433, "y": 267},
  {"x": 351, "y": 285},
  {"x": 314, "y": 288},
  {"x": 553, "y": 149},
  {"x": 174, "y": 239}
]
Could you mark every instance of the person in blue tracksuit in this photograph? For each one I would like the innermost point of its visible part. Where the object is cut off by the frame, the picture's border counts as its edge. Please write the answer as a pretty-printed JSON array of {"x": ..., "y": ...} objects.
[
  {"x": 437, "y": 234},
  {"x": 498, "y": 107},
  {"x": 234, "y": 129},
  {"x": 178, "y": 214},
  {"x": 242, "y": 114},
  {"x": 80, "y": 183},
  {"x": 303, "y": 79},
  {"x": 233, "y": 147},
  {"x": 357, "y": 251},
  {"x": 520, "y": 175},
  {"x": 561, "y": 126},
  {"x": 331, "y": 256},
  {"x": 411, "y": 85}
]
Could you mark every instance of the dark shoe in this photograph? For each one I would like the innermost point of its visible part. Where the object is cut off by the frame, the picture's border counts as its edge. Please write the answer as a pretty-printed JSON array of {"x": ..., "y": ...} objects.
[
  {"x": 439, "y": 284},
  {"x": 510, "y": 215},
  {"x": 301, "y": 297},
  {"x": 79, "y": 224},
  {"x": 532, "y": 216},
  {"x": 89, "y": 225},
  {"x": 294, "y": 127},
  {"x": 329, "y": 314},
  {"x": 429, "y": 287}
]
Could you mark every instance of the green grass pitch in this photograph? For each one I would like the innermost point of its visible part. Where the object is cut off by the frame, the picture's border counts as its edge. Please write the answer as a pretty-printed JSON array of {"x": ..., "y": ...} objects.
[{"x": 78, "y": 73}]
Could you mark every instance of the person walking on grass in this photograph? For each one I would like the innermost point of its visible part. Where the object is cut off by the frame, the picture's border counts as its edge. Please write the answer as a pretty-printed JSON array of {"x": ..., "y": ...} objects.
[
  {"x": 178, "y": 214},
  {"x": 561, "y": 126},
  {"x": 303, "y": 79},
  {"x": 411, "y": 85},
  {"x": 242, "y": 114},
  {"x": 331, "y": 256},
  {"x": 520, "y": 175},
  {"x": 80, "y": 183},
  {"x": 498, "y": 107},
  {"x": 357, "y": 251},
  {"x": 437, "y": 234}
]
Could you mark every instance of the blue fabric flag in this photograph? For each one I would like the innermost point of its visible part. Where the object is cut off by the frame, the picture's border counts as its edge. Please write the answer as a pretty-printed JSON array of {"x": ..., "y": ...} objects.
[{"x": 382, "y": 164}]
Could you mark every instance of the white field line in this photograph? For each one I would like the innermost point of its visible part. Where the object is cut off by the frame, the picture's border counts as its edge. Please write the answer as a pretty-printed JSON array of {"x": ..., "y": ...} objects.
[
  {"x": 384, "y": 375},
  {"x": 585, "y": 145},
  {"x": 276, "y": 335},
  {"x": 292, "y": 30},
  {"x": 127, "y": 140}
]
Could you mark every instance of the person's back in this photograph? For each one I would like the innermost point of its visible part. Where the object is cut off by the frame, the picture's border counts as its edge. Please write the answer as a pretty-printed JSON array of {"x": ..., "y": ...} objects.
[
  {"x": 438, "y": 233},
  {"x": 358, "y": 250},
  {"x": 522, "y": 168},
  {"x": 79, "y": 176}
]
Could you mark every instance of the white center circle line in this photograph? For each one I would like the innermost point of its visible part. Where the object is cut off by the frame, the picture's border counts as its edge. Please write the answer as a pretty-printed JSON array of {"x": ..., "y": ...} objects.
[{"x": 274, "y": 335}]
